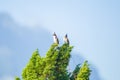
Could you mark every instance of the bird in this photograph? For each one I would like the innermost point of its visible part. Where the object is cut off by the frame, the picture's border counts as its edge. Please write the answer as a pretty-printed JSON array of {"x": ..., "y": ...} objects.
[
  {"x": 66, "y": 40},
  {"x": 55, "y": 39}
]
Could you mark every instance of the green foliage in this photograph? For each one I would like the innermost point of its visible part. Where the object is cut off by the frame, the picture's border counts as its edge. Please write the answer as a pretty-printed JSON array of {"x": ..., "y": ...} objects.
[
  {"x": 34, "y": 68},
  {"x": 55, "y": 57},
  {"x": 84, "y": 72},
  {"x": 53, "y": 66},
  {"x": 17, "y": 78}
]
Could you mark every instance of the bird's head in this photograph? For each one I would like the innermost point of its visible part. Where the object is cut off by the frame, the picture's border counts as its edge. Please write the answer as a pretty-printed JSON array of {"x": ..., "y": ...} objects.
[
  {"x": 66, "y": 36},
  {"x": 54, "y": 34}
]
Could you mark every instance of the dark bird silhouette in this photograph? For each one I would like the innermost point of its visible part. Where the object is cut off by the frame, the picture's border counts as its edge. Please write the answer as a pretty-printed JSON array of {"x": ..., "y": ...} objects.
[
  {"x": 55, "y": 39},
  {"x": 66, "y": 40}
]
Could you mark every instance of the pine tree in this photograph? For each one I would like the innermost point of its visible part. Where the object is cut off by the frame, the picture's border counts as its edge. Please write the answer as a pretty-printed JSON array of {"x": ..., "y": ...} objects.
[
  {"x": 84, "y": 72},
  {"x": 49, "y": 63},
  {"x": 59, "y": 55},
  {"x": 34, "y": 68},
  {"x": 62, "y": 61},
  {"x": 54, "y": 65}
]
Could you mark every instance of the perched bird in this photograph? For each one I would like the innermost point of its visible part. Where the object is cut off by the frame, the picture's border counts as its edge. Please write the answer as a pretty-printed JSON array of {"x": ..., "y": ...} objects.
[
  {"x": 66, "y": 40},
  {"x": 55, "y": 38}
]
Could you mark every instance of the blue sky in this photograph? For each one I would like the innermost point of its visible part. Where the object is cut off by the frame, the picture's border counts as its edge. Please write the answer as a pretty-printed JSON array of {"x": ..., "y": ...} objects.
[{"x": 93, "y": 27}]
